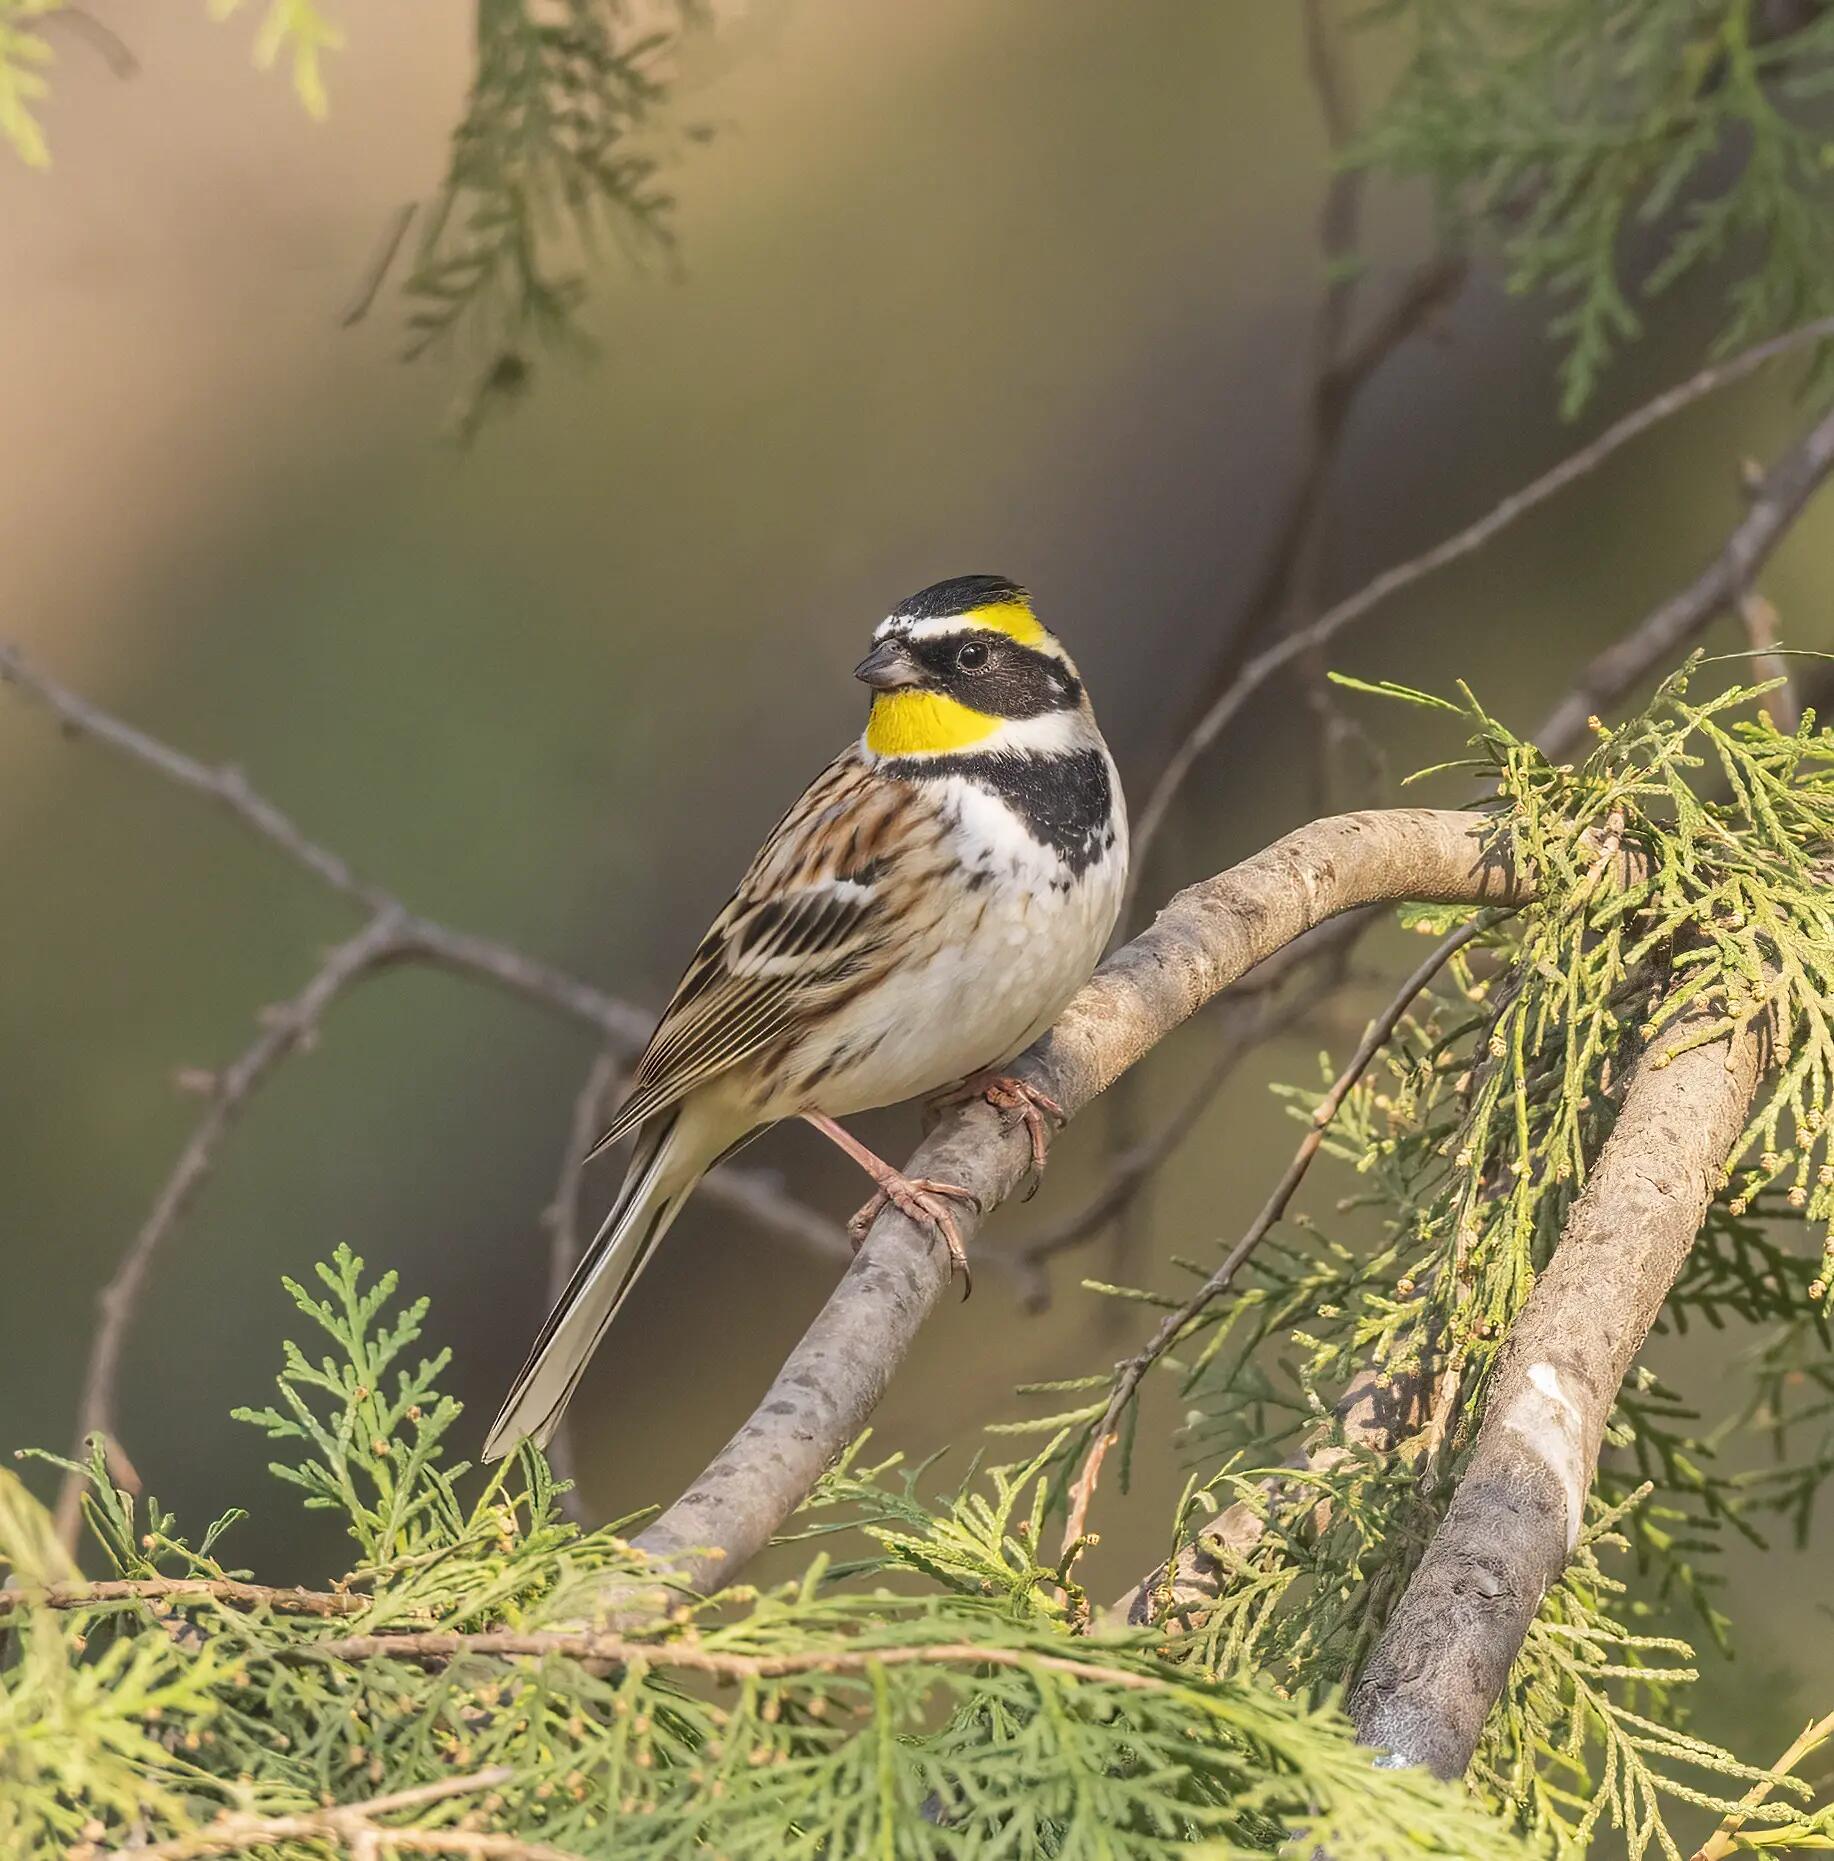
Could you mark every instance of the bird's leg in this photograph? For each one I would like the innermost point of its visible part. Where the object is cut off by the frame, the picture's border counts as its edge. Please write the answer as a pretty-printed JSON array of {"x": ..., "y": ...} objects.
[
  {"x": 917, "y": 1197},
  {"x": 1038, "y": 1111}
]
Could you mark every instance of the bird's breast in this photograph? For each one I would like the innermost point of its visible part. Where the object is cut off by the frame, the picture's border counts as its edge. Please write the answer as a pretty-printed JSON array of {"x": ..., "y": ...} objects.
[{"x": 1007, "y": 929}]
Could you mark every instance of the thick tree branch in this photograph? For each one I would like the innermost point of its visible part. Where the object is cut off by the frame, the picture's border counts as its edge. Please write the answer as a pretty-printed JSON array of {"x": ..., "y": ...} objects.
[
  {"x": 1260, "y": 1006},
  {"x": 1206, "y": 938},
  {"x": 1445, "y": 1654}
]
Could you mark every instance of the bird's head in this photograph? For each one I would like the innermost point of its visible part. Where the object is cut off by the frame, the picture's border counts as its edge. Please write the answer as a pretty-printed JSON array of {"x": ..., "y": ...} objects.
[{"x": 966, "y": 664}]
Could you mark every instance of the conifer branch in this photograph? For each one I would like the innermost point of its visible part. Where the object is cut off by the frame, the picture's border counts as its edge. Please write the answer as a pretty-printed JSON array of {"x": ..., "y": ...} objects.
[
  {"x": 1376, "y": 1412},
  {"x": 1445, "y": 1653},
  {"x": 1724, "y": 1841},
  {"x": 684, "y": 1656}
]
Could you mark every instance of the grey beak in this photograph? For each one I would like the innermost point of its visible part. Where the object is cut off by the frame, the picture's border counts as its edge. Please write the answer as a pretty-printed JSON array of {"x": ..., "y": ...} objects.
[{"x": 888, "y": 666}]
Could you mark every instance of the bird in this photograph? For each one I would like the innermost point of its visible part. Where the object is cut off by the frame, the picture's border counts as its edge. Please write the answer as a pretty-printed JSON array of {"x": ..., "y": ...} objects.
[{"x": 923, "y": 912}]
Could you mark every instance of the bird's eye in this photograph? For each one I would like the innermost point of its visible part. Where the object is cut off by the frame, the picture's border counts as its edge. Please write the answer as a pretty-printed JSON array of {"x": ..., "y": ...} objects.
[{"x": 972, "y": 657}]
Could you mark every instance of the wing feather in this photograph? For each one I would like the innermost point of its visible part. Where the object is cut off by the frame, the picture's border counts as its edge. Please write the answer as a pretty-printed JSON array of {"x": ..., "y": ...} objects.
[{"x": 808, "y": 913}]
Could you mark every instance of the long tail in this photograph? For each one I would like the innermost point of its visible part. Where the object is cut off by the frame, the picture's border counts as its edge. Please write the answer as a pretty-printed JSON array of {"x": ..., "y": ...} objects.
[{"x": 655, "y": 1187}]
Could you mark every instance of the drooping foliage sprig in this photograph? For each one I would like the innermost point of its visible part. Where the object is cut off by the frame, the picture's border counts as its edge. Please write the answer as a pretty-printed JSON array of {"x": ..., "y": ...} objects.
[
  {"x": 1609, "y": 148},
  {"x": 546, "y": 161},
  {"x": 178, "y": 1707}
]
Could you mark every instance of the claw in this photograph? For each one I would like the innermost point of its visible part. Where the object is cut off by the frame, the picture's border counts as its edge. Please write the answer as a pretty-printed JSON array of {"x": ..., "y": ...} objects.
[
  {"x": 920, "y": 1199},
  {"x": 1039, "y": 1112}
]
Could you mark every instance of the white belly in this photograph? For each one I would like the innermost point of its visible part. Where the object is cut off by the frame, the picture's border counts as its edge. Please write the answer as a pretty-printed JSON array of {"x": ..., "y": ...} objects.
[{"x": 1008, "y": 956}]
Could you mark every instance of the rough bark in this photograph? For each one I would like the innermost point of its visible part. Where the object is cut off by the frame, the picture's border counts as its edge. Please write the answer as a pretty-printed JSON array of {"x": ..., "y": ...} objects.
[
  {"x": 1208, "y": 937},
  {"x": 1445, "y": 1655}
]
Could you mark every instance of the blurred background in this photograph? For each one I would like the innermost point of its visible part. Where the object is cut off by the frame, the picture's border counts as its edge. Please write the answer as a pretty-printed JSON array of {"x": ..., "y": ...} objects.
[{"x": 1028, "y": 290}]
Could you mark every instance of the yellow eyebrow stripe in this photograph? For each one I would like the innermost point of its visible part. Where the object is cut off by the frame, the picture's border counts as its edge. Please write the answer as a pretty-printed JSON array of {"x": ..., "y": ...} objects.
[
  {"x": 924, "y": 723},
  {"x": 1012, "y": 618}
]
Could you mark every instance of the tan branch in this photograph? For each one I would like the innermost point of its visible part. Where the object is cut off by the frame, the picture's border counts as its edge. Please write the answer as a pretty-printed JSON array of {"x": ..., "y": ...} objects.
[
  {"x": 285, "y": 1029},
  {"x": 1724, "y": 1840},
  {"x": 1657, "y": 642},
  {"x": 1209, "y": 936},
  {"x": 393, "y": 934},
  {"x": 420, "y": 937}
]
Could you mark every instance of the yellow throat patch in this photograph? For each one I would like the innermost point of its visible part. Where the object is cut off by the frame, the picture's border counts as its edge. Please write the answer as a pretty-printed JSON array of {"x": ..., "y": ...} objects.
[{"x": 924, "y": 723}]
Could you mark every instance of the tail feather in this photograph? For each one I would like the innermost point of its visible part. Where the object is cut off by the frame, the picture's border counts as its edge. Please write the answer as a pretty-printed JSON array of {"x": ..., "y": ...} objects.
[{"x": 651, "y": 1197}]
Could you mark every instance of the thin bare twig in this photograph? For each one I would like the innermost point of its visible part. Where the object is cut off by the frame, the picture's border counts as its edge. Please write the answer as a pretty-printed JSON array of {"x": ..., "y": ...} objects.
[
  {"x": 1172, "y": 1328},
  {"x": 1275, "y": 658},
  {"x": 175, "y": 1592},
  {"x": 1657, "y": 640},
  {"x": 286, "y": 1028},
  {"x": 355, "y": 1826},
  {"x": 713, "y": 1663},
  {"x": 393, "y": 934},
  {"x": 113, "y": 50},
  {"x": 420, "y": 937}
]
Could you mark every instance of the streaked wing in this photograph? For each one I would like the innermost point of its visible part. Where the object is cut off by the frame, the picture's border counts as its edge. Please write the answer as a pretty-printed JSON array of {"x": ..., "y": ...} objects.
[{"x": 809, "y": 912}]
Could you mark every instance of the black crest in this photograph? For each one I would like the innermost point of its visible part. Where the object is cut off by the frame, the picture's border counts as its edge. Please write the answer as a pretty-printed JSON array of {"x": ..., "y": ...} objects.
[{"x": 958, "y": 596}]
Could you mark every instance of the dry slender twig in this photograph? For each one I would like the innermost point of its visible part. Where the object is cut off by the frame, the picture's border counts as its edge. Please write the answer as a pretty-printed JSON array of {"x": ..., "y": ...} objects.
[
  {"x": 286, "y": 1028},
  {"x": 1173, "y": 1326},
  {"x": 1724, "y": 1840},
  {"x": 393, "y": 934},
  {"x": 1275, "y": 658},
  {"x": 420, "y": 937},
  {"x": 108, "y": 44},
  {"x": 714, "y": 1664},
  {"x": 1658, "y": 639},
  {"x": 1336, "y": 375},
  {"x": 354, "y": 1826},
  {"x": 381, "y": 263},
  {"x": 1208, "y": 937},
  {"x": 175, "y": 1592},
  {"x": 1760, "y": 618}
]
